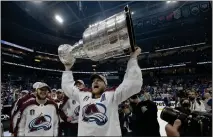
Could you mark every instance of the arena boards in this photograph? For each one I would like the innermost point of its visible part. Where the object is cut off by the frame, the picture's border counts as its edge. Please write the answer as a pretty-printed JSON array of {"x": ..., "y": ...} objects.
[{"x": 161, "y": 104}]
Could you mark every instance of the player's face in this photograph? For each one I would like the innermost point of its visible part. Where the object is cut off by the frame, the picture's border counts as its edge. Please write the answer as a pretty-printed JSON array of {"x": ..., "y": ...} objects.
[
  {"x": 98, "y": 86},
  {"x": 59, "y": 95},
  {"x": 42, "y": 93},
  {"x": 79, "y": 85}
]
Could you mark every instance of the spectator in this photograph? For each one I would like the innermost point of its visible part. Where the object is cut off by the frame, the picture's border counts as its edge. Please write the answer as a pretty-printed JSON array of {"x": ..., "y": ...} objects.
[
  {"x": 207, "y": 102},
  {"x": 195, "y": 103}
]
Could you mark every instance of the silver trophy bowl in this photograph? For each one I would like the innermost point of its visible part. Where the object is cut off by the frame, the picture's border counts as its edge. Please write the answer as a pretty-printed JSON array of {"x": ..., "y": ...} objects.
[{"x": 106, "y": 39}]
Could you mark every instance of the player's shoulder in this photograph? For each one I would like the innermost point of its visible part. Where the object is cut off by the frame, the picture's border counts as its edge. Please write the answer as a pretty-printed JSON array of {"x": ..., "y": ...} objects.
[
  {"x": 27, "y": 104},
  {"x": 51, "y": 102},
  {"x": 25, "y": 98}
]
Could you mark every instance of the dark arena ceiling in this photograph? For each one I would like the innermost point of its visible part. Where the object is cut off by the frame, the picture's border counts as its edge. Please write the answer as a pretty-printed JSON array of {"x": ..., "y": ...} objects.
[{"x": 157, "y": 25}]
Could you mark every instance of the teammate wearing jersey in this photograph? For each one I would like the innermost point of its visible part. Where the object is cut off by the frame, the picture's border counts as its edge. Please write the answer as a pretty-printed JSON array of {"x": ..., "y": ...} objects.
[
  {"x": 98, "y": 114},
  {"x": 39, "y": 116},
  {"x": 15, "y": 111},
  {"x": 69, "y": 112}
]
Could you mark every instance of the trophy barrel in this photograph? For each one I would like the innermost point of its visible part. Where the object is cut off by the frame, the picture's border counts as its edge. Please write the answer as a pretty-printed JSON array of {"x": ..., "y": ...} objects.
[
  {"x": 110, "y": 37},
  {"x": 78, "y": 51}
]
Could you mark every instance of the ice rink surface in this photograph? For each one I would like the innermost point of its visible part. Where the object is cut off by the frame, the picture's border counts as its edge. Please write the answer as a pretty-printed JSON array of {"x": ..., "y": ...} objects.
[{"x": 161, "y": 122}]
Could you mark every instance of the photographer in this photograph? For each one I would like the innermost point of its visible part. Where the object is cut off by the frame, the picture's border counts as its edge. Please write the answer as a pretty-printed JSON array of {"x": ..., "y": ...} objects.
[
  {"x": 145, "y": 122},
  {"x": 184, "y": 106},
  {"x": 172, "y": 130},
  {"x": 192, "y": 124}
]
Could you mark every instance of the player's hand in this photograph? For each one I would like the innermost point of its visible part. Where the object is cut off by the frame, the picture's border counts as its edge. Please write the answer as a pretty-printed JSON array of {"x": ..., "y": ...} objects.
[
  {"x": 172, "y": 131},
  {"x": 136, "y": 52},
  {"x": 66, "y": 56},
  {"x": 69, "y": 119}
]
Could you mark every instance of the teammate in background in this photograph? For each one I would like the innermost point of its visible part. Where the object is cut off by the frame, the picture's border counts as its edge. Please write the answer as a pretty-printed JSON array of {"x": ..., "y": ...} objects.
[
  {"x": 80, "y": 84},
  {"x": 39, "y": 117},
  {"x": 99, "y": 108},
  {"x": 15, "y": 111},
  {"x": 59, "y": 102},
  {"x": 69, "y": 112},
  {"x": 53, "y": 94},
  {"x": 60, "y": 97},
  {"x": 23, "y": 93}
]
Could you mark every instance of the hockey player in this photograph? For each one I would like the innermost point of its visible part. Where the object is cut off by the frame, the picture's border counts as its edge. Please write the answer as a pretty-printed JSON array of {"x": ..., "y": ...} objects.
[
  {"x": 69, "y": 112},
  {"x": 39, "y": 117},
  {"x": 16, "y": 108},
  {"x": 98, "y": 114}
]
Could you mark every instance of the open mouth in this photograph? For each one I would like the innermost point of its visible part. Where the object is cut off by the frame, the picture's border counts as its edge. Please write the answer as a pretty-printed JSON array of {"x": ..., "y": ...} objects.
[{"x": 96, "y": 86}]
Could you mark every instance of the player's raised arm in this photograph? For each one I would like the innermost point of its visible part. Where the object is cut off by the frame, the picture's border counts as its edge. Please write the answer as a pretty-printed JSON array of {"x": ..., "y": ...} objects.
[
  {"x": 132, "y": 81},
  {"x": 68, "y": 82}
]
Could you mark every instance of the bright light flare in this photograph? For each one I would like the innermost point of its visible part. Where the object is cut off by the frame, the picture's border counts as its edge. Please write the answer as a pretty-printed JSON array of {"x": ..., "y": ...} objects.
[
  {"x": 59, "y": 19},
  {"x": 171, "y": 1}
]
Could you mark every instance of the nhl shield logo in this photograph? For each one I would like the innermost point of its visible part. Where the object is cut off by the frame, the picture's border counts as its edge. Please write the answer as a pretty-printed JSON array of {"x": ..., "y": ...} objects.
[{"x": 32, "y": 112}]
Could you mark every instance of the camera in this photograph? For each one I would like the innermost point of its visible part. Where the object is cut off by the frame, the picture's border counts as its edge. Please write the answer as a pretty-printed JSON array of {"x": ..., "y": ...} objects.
[{"x": 193, "y": 124}]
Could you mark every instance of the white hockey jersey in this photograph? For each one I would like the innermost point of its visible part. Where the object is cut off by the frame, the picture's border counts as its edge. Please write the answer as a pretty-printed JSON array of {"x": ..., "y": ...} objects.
[
  {"x": 38, "y": 120},
  {"x": 99, "y": 117},
  {"x": 71, "y": 108},
  {"x": 15, "y": 112}
]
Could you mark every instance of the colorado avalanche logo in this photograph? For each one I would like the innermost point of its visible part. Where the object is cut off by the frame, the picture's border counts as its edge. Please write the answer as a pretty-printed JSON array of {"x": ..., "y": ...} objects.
[
  {"x": 41, "y": 122},
  {"x": 95, "y": 113},
  {"x": 76, "y": 111}
]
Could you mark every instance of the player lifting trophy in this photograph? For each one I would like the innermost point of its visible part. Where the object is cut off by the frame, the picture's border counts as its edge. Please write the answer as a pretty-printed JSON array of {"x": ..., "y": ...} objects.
[{"x": 111, "y": 37}]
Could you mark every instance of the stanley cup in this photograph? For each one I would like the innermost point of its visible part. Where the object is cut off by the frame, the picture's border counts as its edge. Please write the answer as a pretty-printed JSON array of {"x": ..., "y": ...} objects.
[{"x": 103, "y": 40}]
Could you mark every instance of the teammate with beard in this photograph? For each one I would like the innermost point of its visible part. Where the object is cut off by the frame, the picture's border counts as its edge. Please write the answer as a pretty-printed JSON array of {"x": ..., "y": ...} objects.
[
  {"x": 39, "y": 117},
  {"x": 15, "y": 111},
  {"x": 69, "y": 112},
  {"x": 98, "y": 114}
]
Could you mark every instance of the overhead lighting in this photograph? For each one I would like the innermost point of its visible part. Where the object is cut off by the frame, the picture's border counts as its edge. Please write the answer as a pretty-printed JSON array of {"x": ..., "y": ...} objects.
[
  {"x": 59, "y": 18},
  {"x": 171, "y": 1},
  {"x": 132, "y": 13},
  {"x": 37, "y": 60}
]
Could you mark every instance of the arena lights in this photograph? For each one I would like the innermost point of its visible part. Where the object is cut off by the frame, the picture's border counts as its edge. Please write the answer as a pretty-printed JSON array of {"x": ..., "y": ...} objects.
[
  {"x": 107, "y": 73},
  {"x": 54, "y": 70},
  {"x": 59, "y": 19},
  {"x": 17, "y": 46},
  {"x": 46, "y": 53},
  {"x": 208, "y": 62},
  {"x": 164, "y": 67},
  {"x": 171, "y": 1},
  {"x": 197, "y": 44}
]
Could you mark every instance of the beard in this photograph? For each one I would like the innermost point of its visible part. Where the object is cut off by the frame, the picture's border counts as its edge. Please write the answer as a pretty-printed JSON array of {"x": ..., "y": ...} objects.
[
  {"x": 98, "y": 91},
  {"x": 39, "y": 97}
]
